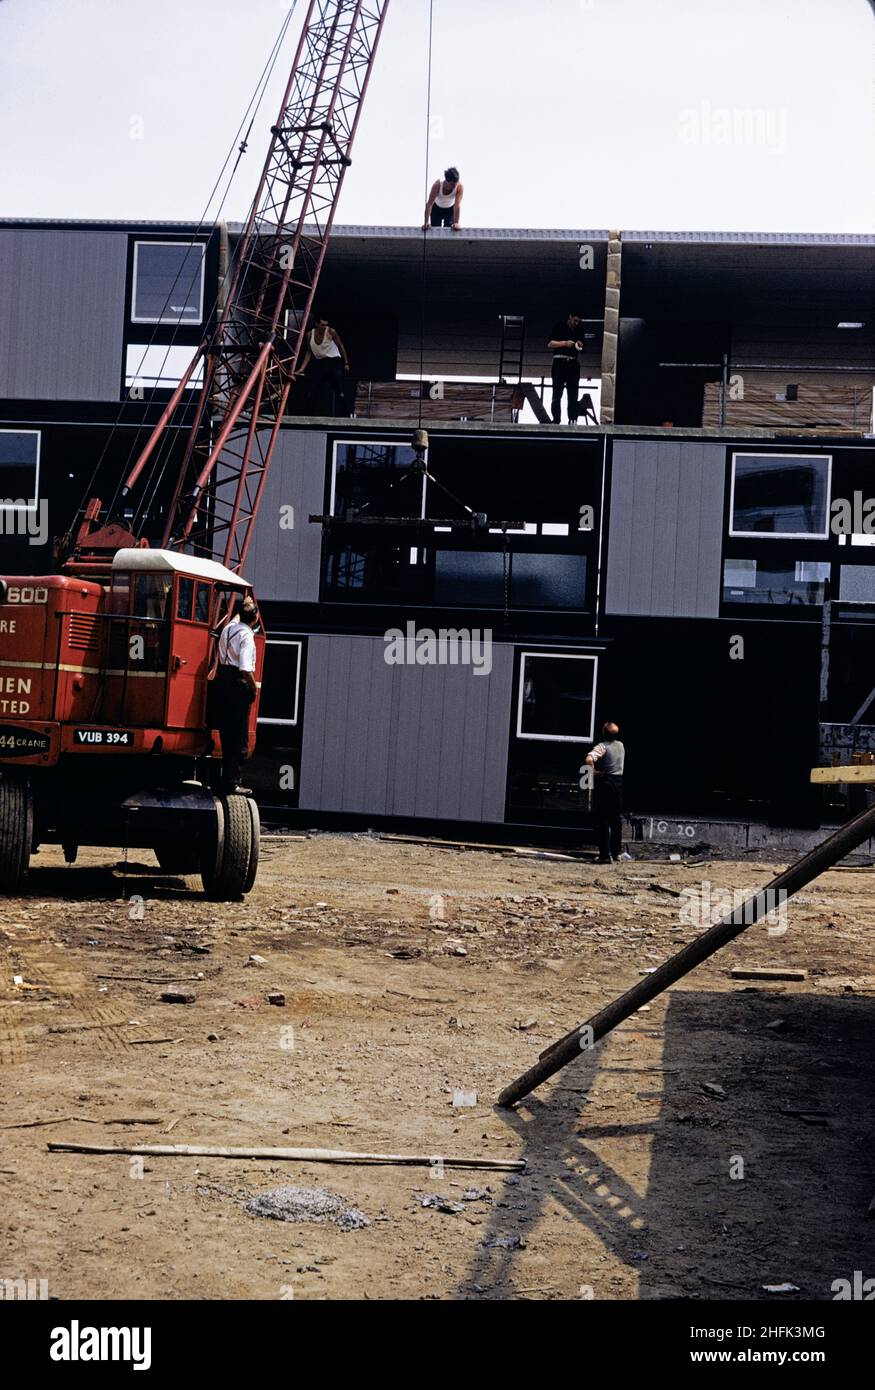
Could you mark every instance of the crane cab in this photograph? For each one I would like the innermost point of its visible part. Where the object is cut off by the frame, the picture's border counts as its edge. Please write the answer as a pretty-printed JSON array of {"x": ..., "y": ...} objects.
[{"x": 164, "y": 611}]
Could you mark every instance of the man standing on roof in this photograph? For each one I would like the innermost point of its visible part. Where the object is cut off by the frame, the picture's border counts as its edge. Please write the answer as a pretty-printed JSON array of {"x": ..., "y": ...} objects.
[
  {"x": 234, "y": 692},
  {"x": 444, "y": 206},
  {"x": 608, "y": 792},
  {"x": 566, "y": 341}
]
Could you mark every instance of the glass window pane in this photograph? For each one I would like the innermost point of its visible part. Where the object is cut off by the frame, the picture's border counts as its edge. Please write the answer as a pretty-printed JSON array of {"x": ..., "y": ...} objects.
[
  {"x": 184, "y": 596},
  {"x": 474, "y": 577},
  {"x": 376, "y": 480},
  {"x": 548, "y": 581},
  {"x": 556, "y": 697},
  {"x": 168, "y": 282},
  {"x": 19, "y": 452},
  {"x": 151, "y": 594},
  {"x": 799, "y": 582},
  {"x": 202, "y": 604},
  {"x": 780, "y": 496},
  {"x": 857, "y": 583}
]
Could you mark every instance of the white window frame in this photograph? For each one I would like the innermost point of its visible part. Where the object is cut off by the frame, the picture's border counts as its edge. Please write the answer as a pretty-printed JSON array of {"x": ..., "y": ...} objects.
[
  {"x": 557, "y": 656},
  {"x": 781, "y": 535},
  {"x": 287, "y": 642},
  {"x": 169, "y": 317},
  {"x": 25, "y": 506},
  {"x": 384, "y": 443}
]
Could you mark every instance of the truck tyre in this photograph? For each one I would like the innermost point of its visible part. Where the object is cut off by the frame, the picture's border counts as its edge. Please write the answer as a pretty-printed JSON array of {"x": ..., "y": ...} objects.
[
  {"x": 226, "y": 866},
  {"x": 16, "y": 832},
  {"x": 255, "y": 845}
]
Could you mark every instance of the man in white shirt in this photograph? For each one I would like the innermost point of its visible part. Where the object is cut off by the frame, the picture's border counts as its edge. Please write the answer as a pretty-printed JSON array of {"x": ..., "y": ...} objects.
[
  {"x": 235, "y": 691},
  {"x": 610, "y": 754}
]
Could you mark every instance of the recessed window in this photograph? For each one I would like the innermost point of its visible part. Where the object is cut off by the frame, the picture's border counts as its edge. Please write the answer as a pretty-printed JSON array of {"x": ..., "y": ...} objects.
[
  {"x": 799, "y": 582},
  {"x": 376, "y": 479},
  {"x": 168, "y": 282},
  {"x": 556, "y": 698},
  {"x": 781, "y": 496},
  {"x": 280, "y": 682},
  {"x": 19, "y": 470}
]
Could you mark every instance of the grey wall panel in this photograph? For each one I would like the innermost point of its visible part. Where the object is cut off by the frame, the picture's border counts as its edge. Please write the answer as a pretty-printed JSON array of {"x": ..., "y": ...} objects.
[
  {"x": 62, "y": 308},
  {"x": 428, "y": 741},
  {"x": 282, "y": 563},
  {"x": 666, "y": 528}
]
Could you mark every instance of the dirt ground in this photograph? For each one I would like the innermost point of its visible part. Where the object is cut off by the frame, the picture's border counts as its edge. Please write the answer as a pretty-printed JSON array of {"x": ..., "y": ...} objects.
[{"x": 719, "y": 1141}]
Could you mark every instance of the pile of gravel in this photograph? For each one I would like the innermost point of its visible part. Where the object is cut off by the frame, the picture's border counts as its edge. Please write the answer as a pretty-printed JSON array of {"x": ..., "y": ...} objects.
[{"x": 307, "y": 1204}]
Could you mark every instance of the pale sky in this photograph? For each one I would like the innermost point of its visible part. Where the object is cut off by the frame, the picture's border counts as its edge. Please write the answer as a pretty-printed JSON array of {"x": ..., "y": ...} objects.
[{"x": 727, "y": 115}]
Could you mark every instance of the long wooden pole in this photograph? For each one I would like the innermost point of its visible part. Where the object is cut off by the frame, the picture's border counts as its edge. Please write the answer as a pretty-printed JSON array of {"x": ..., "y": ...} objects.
[
  {"x": 504, "y": 1165},
  {"x": 760, "y": 904}
]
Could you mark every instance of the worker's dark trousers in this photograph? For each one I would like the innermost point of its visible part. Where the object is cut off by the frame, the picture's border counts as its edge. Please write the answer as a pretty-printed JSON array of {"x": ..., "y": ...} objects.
[
  {"x": 328, "y": 386},
  {"x": 608, "y": 806},
  {"x": 442, "y": 217},
  {"x": 565, "y": 375},
  {"x": 232, "y": 702}
]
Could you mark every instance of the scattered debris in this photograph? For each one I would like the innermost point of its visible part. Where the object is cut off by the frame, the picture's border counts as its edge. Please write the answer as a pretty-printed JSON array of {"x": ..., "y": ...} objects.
[
  {"x": 432, "y": 1199},
  {"x": 504, "y": 1243},
  {"x": 461, "y": 1098},
  {"x": 524, "y": 1024},
  {"x": 714, "y": 1090},
  {"x": 256, "y": 960},
  {"x": 781, "y": 1288},
  {"x": 277, "y": 997},
  {"x": 178, "y": 996},
  {"x": 313, "y": 1204}
]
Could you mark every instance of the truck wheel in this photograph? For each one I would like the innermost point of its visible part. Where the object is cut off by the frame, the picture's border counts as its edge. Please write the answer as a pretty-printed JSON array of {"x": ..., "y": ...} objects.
[
  {"x": 228, "y": 857},
  {"x": 16, "y": 833},
  {"x": 254, "y": 846}
]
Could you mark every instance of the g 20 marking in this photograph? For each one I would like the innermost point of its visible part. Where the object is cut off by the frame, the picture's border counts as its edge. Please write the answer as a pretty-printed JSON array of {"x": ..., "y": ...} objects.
[{"x": 662, "y": 827}]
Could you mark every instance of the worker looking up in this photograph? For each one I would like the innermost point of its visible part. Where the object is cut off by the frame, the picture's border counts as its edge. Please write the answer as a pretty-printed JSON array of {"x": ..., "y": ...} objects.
[
  {"x": 444, "y": 205},
  {"x": 329, "y": 358},
  {"x": 565, "y": 343},
  {"x": 610, "y": 756},
  {"x": 235, "y": 691}
]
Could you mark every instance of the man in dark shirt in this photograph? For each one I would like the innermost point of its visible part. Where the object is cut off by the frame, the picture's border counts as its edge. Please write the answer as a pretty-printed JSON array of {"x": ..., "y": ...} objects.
[{"x": 566, "y": 341}]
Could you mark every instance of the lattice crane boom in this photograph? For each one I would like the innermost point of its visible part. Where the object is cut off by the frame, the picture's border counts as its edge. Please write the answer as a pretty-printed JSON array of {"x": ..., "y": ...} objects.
[{"x": 250, "y": 358}]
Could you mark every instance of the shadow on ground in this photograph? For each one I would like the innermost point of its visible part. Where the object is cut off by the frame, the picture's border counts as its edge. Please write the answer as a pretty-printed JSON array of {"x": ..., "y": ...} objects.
[{"x": 768, "y": 1184}]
